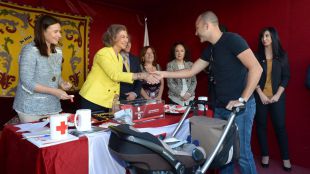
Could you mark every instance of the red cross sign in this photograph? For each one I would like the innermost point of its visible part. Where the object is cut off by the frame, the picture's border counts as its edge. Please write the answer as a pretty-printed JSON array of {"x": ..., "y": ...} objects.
[{"x": 62, "y": 128}]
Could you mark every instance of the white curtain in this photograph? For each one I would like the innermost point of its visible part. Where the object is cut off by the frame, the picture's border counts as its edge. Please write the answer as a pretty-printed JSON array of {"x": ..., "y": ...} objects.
[{"x": 146, "y": 34}]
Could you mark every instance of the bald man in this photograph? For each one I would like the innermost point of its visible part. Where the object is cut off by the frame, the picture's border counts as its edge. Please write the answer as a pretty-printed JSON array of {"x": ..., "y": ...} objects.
[{"x": 236, "y": 74}]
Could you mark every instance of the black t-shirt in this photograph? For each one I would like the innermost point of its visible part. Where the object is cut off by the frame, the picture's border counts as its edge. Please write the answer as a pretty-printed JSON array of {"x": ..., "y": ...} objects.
[{"x": 229, "y": 73}]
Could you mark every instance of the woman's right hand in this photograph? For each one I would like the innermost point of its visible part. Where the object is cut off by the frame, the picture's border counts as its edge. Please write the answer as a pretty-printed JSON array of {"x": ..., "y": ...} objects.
[
  {"x": 152, "y": 78},
  {"x": 148, "y": 77},
  {"x": 62, "y": 95},
  {"x": 65, "y": 85},
  {"x": 264, "y": 99}
]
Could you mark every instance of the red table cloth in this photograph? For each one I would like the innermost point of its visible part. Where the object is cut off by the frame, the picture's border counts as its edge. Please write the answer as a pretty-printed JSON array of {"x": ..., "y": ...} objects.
[{"x": 18, "y": 155}]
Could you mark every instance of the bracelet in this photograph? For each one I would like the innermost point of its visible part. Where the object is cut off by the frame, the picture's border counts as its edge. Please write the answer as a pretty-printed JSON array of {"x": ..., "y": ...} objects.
[
  {"x": 242, "y": 100},
  {"x": 142, "y": 76},
  {"x": 139, "y": 76}
]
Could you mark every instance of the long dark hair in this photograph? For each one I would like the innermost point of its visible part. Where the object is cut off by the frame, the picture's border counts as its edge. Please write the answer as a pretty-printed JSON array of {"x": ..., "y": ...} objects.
[
  {"x": 41, "y": 24},
  {"x": 143, "y": 52},
  {"x": 187, "y": 56},
  {"x": 277, "y": 50}
]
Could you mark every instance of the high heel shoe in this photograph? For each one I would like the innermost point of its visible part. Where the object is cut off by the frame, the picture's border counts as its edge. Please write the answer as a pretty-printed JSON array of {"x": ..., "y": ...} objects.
[
  {"x": 264, "y": 165},
  {"x": 265, "y": 161},
  {"x": 287, "y": 169}
]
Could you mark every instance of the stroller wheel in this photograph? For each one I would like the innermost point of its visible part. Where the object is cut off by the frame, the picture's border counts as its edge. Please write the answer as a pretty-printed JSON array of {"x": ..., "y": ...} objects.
[{"x": 199, "y": 154}]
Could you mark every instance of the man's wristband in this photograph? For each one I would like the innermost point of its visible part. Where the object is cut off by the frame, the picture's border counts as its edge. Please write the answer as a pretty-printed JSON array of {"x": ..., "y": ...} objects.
[
  {"x": 135, "y": 94},
  {"x": 242, "y": 100}
]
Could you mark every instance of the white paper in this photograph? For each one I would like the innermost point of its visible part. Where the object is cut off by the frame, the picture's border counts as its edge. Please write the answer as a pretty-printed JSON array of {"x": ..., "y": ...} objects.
[
  {"x": 31, "y": 126},
  {"x": 39, "y": 132},
  {"x": 44, "y": 141}
]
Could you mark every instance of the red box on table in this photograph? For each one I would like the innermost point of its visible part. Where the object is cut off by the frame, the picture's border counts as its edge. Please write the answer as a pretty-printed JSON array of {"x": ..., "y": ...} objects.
[{"x": 144, "y": 110}]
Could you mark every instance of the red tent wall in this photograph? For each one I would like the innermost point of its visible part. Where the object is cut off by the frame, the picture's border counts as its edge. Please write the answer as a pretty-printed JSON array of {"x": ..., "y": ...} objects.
[{"x": 176, "y": 21}]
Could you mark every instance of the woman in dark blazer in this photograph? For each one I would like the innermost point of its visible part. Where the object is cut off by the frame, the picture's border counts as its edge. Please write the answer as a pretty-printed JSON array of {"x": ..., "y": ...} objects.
[{"x": 270, "y": 95}]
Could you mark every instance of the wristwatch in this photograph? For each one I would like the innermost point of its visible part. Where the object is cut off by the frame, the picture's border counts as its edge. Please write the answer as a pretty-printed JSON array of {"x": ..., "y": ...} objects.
[{"x": 242, "y": 100}]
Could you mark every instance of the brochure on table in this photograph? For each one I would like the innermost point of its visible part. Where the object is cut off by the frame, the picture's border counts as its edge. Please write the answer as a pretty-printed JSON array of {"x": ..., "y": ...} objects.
[
  {"x": 93, "y": 130},
  {"x": 45, "y": 140}
]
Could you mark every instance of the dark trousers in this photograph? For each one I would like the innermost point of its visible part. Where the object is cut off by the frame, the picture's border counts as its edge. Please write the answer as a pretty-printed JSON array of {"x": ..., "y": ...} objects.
[
  {"x": 277, "y": 114},
  {"x": 85, "y": 104}
]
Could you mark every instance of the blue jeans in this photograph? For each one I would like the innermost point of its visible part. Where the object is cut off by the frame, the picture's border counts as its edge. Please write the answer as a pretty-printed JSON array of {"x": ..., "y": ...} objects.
[{"x": 244, "y": 121}]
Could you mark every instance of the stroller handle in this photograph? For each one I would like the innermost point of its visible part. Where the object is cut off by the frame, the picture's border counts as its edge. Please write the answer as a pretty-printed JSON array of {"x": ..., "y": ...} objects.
[
  {"x": 231, "y": 119},
  {"x": 235, "y": 110}
]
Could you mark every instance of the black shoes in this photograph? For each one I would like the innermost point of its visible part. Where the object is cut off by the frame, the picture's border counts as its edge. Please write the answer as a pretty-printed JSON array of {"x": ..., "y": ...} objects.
[
  {"x": 287, "y": 169},
  {"x": 264, "y": 165},
  {"x": 286, "y": 165},
  {"x": 285, "y": 162},
  {"x": 265, "y": 161}
]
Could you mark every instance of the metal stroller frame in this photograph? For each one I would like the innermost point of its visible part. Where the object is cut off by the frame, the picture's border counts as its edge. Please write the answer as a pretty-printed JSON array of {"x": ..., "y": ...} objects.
[
  {"x": 178, "y": 167},
  {"x": 230, "y": 121}
]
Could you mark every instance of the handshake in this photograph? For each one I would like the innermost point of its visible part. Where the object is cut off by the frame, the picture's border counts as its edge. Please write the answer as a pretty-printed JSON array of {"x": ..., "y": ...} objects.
[{"x": 151, "y": 78}]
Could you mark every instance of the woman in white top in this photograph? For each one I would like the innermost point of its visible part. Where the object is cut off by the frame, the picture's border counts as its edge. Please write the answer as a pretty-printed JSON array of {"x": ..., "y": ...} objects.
[{"x": 181, "y": 91}]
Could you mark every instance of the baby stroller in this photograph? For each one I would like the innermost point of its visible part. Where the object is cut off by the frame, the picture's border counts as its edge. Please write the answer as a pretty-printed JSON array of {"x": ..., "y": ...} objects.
[{"x": 145, "y": 153}]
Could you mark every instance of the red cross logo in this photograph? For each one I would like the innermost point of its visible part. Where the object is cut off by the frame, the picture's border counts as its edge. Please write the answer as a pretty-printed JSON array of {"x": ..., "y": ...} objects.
[{"x": 62, "y": 128}]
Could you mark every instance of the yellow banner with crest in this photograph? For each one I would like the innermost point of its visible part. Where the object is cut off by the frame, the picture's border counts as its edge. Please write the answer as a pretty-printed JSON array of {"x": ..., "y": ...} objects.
[{"x": 17, "y": 30}]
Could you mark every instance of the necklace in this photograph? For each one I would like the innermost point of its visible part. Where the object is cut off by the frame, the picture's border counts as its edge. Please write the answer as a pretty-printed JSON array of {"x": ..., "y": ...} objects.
[
  {"x": 149, "y": 68},
  {"x": 53, "y": 67}
]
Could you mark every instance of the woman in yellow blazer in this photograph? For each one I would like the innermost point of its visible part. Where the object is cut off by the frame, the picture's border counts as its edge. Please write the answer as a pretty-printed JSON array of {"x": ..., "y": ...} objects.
[{"x": 103, "y": 81}]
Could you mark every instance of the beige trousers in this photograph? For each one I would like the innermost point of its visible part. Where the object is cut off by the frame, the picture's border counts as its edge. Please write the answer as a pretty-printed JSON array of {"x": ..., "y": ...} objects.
[{"x": 26, "y": 118}]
